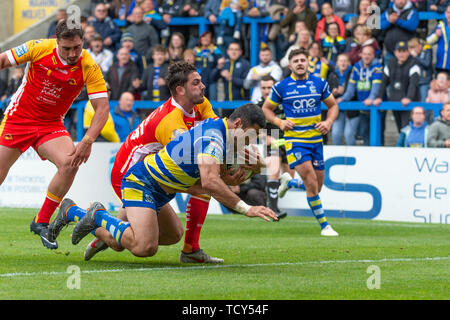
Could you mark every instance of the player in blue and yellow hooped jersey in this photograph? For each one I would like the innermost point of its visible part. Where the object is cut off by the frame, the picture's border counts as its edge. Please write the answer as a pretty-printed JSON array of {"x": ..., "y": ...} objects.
[
  {"x": 301, "y": 95},
  {"x": 190, "y": 163}
]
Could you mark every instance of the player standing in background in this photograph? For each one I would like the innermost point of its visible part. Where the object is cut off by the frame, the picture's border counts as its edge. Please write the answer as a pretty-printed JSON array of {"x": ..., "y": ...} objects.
[
  {"x": 276, "y": 152},
  {"x": 178, "y": 114},
  {"x": 56, "y": 72},
  {"x": 301, "y": 95}
]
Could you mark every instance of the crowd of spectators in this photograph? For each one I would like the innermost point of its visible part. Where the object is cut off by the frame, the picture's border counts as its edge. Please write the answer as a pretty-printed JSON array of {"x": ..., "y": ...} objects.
[{"x": 133, "y": 42}]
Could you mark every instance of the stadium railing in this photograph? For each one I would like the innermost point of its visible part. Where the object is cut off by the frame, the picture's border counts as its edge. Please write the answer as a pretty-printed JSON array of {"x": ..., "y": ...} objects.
[{"x": 375, "y": 112}]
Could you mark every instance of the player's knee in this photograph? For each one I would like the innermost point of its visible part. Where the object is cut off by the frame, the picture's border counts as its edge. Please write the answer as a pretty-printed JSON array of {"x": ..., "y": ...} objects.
[
  {"x": 145, "y": 250},
  {"x": 67, "y": 169}
]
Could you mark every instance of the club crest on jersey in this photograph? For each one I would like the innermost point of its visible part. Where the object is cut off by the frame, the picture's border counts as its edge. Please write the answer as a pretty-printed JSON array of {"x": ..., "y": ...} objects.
[
  {"x": 72, "y": 82},
  {"x": 8, "y": 136}
]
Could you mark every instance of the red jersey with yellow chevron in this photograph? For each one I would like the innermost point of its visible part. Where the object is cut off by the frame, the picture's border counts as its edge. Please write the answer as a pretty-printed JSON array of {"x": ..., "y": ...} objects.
[
  {"x": 156, "y": 131},
  {"x": 50, "y": 85}
]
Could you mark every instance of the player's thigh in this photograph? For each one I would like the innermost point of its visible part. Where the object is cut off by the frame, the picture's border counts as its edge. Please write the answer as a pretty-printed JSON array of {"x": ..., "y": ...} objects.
[
  {"x": 57, "y": 150},
  {"x": 7, "y": 158},
  {"x": 144, "y": 223},
  {"x": 170, "y": 226}
]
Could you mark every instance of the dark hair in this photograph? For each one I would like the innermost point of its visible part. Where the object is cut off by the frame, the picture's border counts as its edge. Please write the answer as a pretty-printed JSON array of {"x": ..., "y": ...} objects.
[
  {"x": 267, "y": 77},
  {"x": 249, "y": 114},
  {"x": 178, "y": 75},
  {"x": 265, "y": 49},
  {"x": 64, "y": 31},
  {"x": 158, "y": 48},
  {"x": 296, "y": 52}
]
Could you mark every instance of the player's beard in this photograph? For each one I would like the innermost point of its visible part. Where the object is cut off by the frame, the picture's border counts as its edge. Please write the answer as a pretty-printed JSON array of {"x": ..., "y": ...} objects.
[{"x": 300, "y": 76}]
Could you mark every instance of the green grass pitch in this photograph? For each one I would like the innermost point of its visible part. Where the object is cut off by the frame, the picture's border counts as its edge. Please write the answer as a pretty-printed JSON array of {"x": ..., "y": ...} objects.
[{"x": 263, "y": 261}]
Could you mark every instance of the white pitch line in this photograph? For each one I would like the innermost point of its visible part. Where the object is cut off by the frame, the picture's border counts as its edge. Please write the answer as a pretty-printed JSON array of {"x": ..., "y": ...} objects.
[{"x": 222, "y": 266}]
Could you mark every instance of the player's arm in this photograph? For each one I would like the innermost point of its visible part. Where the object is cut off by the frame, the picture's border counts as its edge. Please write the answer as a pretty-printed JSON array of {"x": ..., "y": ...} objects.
[
  {"x": 214, "y": 186},
  {"x": 333, "y": 111},
  {"x": 83, "y": 149},
  {"x": 4, "y": 61},
  {"x": 268, "y": 108}
]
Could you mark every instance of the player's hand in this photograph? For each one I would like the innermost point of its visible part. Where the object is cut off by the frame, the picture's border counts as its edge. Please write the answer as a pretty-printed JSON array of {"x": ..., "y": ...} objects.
[
  {"x": 80, "y": 154},
  {"x": 233, "y": 177},
  {"x": 438, "y": 33},
  {"x": 324, "y": 127},
  {"x": 261, "y": 212},
  {"x": 286, "y": 125}
]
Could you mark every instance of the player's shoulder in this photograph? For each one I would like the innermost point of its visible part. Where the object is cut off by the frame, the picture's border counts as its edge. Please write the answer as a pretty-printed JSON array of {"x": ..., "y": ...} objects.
[
  {"x": 88, "y": 62},
  {"x": 205, "y": 105},
  {"x": 37, "y": 45}
]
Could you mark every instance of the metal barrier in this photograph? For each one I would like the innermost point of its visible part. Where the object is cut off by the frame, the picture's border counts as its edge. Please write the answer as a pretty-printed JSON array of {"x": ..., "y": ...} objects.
[{"x": 375, "y": 116}]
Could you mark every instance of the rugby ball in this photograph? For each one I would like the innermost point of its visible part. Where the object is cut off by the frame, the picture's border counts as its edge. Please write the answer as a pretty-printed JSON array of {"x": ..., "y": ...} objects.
[{"x": 248, "y": 172}]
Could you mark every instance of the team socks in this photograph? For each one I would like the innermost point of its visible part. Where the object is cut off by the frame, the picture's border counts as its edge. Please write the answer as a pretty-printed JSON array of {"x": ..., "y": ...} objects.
[
  {"x": 296, "y": 183},
  {"x": 316, "y": 207},
  {"x": 272, "y": 187},
  {"x": 51, "y": 202},
  {"x": 75, "y": 213},
  {"x": 115, "y": 226},
  {"x": 196, "y": 211}
]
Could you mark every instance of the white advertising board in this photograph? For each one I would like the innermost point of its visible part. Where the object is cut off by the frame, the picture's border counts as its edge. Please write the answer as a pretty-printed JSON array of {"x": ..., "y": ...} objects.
[{"x": 381, "y": 183}]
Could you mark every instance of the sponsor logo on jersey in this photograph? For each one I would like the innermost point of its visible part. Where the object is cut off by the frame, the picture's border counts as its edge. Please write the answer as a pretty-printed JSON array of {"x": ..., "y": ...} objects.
[{"x": 21, "y": 50}]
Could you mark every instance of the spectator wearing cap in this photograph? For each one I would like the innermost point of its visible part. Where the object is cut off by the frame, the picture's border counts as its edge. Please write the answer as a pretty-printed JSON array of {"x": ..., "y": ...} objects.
[
  {"x": 441, "y": 36},
  {"x": 104, "y": 26},
  {"x": 400, "y": 22},
  {"x": 144, "y": 35},
  {"x": 127, "y": 41},
  {"x": 439, "y": 134},
  {"x": 102, "y": 56},
  {"x": 402, "y": 74}
]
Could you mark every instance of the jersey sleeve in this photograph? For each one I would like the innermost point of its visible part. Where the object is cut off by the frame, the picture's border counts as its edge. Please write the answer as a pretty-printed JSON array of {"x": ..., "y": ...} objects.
[
  {"x": 326, "y": 93},
  {"x": 93, "y": 78},
  {"x": 169, "y": 127},
  {"x": 210, "y": 144},
  {"x": 206, "y": 110},
  {"x": 25, "y": 52},
  {"x": 275, "y": 97}
]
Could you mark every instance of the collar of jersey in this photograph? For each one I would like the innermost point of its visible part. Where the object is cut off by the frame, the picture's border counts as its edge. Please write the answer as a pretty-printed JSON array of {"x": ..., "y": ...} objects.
[
  {"x": 177, "y": 105},
  {"x": 293, "y": 78}
]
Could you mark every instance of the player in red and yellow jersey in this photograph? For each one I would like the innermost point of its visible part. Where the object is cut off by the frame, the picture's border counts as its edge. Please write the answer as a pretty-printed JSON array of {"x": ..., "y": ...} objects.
[
  {"x": 178, "y": 114},
  {"x": 56, "y": 71}
]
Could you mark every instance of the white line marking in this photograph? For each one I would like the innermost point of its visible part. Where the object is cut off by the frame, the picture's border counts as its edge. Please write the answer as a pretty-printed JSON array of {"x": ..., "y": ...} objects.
[{"x": 222, "y": 266}]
